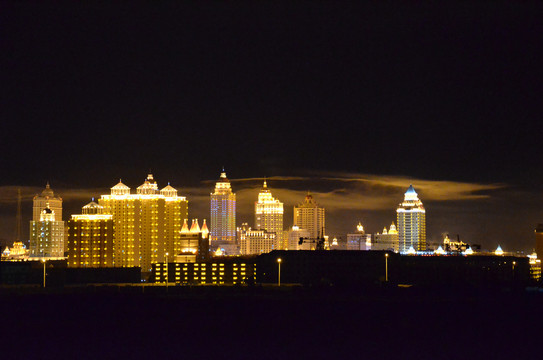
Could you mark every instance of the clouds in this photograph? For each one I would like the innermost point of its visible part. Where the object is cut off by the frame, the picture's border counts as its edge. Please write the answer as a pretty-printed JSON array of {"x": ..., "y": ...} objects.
[
  {"x": 363, "y": 191},
  {"x": 347, "y": 198},
  {"x": 8, "y": 194}
]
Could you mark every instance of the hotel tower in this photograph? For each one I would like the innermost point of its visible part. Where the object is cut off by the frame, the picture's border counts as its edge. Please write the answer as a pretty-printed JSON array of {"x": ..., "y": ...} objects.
[
  {"x": 269, "y": 215},
  {"x": 147, "y": 224},
  {"x": 223, "y": 213},
  {"x": 309, "y": 216},
  {"x": 411, "y": 222},
  {"x": 47, "y": 227}
]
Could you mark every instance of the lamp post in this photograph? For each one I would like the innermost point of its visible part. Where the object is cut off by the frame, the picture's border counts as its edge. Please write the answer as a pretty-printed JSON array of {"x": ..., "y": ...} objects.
[
  {"x": 279, "y": 273},
  {"x": 43, "y": 261},
  {"x": 167, "y": 272},
  {"x": 386, "y": 267},
  {"x": 514, "y": 263}
]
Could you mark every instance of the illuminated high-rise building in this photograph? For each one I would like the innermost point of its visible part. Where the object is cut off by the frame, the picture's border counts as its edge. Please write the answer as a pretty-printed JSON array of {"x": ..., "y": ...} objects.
[
  {"x": 269, "y": 215},
  {"x": 90, "y": 238},
  {"x": 147, "y": 224},
  {"x": 47, "y": 236},
  {"x": 411, "y": 222},
  {"x": 309, "y": 216},
  {"x": 223, "y": 213},
  {"x": 47, "y": 199}
]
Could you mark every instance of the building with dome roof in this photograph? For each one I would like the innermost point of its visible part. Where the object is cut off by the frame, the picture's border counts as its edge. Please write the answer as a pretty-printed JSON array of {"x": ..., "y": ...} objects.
[
  {"x": 147, "y": 223},
  {"x": 47, "y": 235},
  {"x": 387, "y": 240},
  {"x": 47, "y": 199},
  {"x": 90, "y": 238},
  {"x": 411, "y": 217},
  {"x": 359, "y": 240}
]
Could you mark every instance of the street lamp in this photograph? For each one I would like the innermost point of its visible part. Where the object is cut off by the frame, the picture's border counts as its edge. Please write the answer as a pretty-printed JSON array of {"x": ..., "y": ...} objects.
[
  {"x": 43, "y": 261},
  {"x": 279, "y": 273},
  {"x": 167, "y": 272},
  {"x": 386, "y": 267}
]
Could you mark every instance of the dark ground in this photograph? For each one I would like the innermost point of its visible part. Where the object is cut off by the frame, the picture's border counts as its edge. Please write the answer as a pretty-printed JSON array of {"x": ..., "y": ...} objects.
[{"x": 268, "y": 323}]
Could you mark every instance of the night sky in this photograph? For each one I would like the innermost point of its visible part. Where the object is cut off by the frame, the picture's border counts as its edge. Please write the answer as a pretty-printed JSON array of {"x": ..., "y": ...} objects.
[{"x": 351, "y": 101}]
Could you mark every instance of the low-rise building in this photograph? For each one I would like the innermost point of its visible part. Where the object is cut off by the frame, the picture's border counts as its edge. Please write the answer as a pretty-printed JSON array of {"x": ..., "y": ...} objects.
[{"x": 223, "y": 271}]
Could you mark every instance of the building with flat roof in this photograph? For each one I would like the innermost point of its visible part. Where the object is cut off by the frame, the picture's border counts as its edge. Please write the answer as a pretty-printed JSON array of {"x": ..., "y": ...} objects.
[
  {"x": 222, "y": 271},
  {"x": 256, "y": 241}
]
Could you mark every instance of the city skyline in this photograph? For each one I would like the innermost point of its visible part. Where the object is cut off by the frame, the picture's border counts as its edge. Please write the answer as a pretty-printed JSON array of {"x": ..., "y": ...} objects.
[
  {"x": 353, "y": 102},
  {"x": 373, "y": 203}
]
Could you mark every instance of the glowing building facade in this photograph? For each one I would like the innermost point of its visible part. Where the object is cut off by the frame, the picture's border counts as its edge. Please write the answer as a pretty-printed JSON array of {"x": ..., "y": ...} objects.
[
  {"x": 269, "y": 215},
  {"x": 47, "y": 199},
  {"x": 387, "y": 240},
  {"x": 293, "y": 236},
  {"x": 193, "y": 243},
  {"x": 90, "y": 238},
  {"x": 309, "y": 216},
  {"x": 359, "y": 240},
  {"x": 254, "y": 242},
  {"x": 411, "y": 217},
  {"x": 147, "y": 224},
  {"x": 47, "y": 236},
  {"x": 223, "y": 213}
]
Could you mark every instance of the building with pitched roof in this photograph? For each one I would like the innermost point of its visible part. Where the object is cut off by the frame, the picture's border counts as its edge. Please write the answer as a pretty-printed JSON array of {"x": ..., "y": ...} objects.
[
  {"x": 223, "y": 213},
  {"x": 269, "y": 215},
  {"x": 310, "y": 216},
  {"x": 411, "y": 218}
]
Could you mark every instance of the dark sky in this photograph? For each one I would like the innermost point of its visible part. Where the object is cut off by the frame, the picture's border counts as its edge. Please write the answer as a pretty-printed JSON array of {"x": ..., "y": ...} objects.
[{"x": 94, "y": 92}]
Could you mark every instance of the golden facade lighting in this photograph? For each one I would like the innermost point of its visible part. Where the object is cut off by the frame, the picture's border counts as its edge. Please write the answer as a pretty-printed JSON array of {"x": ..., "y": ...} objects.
[
  {"x": 269, "y": 215},
  {"x": 411, "y": 217},
  {"x": 147, "y": 224},
  {"x": 90, "y": 238}
]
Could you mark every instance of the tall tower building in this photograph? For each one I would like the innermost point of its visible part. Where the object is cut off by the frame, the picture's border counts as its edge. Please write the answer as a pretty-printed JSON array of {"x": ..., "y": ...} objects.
[
  {"x": 90, "y": 238},
  {"x": 269, "y": 215},
  {"x": 411, "y": 222},
  {"x": 47, "y": 235},
  {"x": 47, "y": 199},
  {"x": 147, "y": 224},
  {"x": 309, "y": 216},
  {"x": 223, "y": 213}
]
